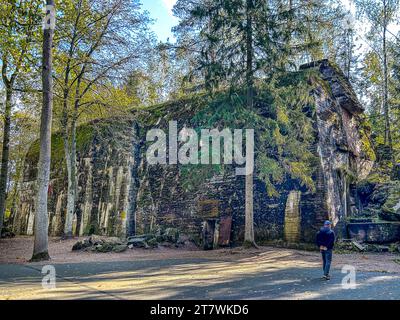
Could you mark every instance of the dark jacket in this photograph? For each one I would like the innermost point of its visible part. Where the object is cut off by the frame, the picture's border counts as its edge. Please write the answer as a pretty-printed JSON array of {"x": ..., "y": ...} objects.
[{"x": 326, "y": 238}]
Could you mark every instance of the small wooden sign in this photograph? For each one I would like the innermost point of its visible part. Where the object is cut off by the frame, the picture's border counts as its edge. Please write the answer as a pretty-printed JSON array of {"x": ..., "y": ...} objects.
[{"x": 208, "y": 208}]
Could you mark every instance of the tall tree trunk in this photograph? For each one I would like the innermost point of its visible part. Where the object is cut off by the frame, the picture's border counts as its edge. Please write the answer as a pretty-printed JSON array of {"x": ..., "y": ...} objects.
[
  {"x": 388, "y": 133},
  {"x": 13, "y": 206},
  {"x": 67, "y": 152},
  {"x": 386, "y": 109},
  {"x": 15, "y": 192},
  {"x": 66, "y": 140},
  {"x": 5, "y": 155},
  {"x": 349, "y": 53},
  {"x": 40, "y": 250},
  {"x": 70, "y": 154},
  {"x": 249, "y": 221},
  {"x": 135, "y": 182}
]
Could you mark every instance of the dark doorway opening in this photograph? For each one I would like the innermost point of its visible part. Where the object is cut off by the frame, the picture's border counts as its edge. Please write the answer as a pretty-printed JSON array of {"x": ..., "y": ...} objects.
[
  {"x": 216, "y": 232},
  {"x": 209, "y": 234}
]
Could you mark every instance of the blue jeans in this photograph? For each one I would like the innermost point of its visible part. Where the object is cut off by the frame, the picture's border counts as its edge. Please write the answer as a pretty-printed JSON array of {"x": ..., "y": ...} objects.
[{"x": 326, "y": 259}]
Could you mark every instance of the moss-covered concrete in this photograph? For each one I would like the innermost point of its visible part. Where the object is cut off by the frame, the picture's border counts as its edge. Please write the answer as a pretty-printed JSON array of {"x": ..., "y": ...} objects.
[
  {"x": 120, "y": 193},
  {"x": 375, "y": 232}
]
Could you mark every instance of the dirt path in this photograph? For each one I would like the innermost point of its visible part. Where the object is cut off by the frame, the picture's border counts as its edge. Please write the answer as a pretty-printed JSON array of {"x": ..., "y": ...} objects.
[
  {"x": 268, "y": 273},
  {"x": 18, "y": 251}
]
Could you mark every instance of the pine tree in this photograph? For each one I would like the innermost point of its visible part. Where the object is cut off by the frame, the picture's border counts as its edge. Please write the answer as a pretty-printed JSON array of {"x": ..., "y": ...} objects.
[
  {"x": 380, "y": 14},
  {"x": 395, "y": 97},
  {"x": 239, "y": 43}
]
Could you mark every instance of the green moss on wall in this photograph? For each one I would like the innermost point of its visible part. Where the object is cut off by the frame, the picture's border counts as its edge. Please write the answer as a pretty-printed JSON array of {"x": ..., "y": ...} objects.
[
  {"x": 84, "y": 138},
  {"x": 366, "y": 145},
  {"x": 393, "y": 200},
  {"x": 57, "y": 151}
]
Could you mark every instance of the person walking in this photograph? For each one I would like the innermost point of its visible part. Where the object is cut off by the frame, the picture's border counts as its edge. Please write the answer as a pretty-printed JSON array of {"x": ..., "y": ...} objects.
[{"x": 325, "y": 242}]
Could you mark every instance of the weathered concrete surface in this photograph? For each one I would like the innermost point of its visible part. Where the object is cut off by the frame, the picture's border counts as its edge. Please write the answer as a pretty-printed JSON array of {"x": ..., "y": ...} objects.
[
  {"x": 375, "y": 232},
  {"x": 120, "y": 194},
  {"x": 104, "y": 172},
  {"x": 379, "y": 198},
  {"x": 192, "y": 279}
]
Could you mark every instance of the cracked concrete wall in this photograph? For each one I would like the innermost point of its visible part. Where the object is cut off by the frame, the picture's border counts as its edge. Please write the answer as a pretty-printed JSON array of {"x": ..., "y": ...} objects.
[{"x": 119, "y": 194}]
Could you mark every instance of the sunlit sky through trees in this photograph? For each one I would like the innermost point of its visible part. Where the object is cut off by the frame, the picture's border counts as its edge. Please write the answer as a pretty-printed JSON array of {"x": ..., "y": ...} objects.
[{"x": 161, "y": 12}]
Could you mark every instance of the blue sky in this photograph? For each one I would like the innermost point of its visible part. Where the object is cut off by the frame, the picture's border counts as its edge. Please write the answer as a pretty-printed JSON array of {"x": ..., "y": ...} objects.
[{"x": 161, "y": 11}]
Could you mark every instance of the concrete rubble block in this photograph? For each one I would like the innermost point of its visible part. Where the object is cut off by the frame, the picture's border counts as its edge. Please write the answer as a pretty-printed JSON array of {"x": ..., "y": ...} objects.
[
  {"x": 99, "y": 244},
  {"x": 359, "y": 246},
  {"x": 137, "y": 242},
  {"x": 94, "y": 239},
  {"x": 377, "y": 248},
  {"x": 80, "y": 245},
  {"x": 146, "y": 236},
  {"x": 171, "y": 234},
  {"x": 152, "y": 243},
  {"x": 375, "y": 232},
  {"x": 105, "y": 247},
  {"x": 120, "y": 248}
]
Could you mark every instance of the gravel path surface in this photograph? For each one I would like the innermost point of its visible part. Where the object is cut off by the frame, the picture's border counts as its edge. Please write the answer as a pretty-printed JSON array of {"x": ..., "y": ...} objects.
[
  {"x": 166, "y": 273},
  {"x": 19, "y": 250}
]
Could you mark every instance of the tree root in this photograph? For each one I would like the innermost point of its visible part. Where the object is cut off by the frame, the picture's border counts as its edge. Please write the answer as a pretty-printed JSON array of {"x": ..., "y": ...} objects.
[
  {"x": 67, "y": 236},
  {"x": 41, "y": 256},
  {"x": 250, "y": 244}
]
